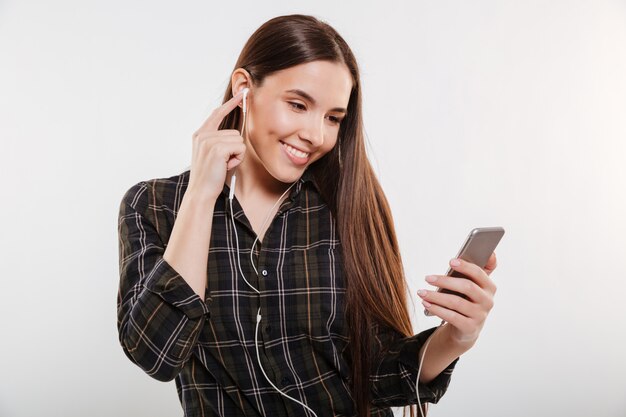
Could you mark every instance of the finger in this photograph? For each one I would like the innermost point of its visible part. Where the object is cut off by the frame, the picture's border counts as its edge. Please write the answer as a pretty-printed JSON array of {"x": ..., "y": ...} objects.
[
  {"x": 225, "y": 134},
  {"x": 236, "y": 157},
  {"x": 475, "y": 273},
  {"x": 225, "y": 146},
  {"x": 234, "y": 161},
  {"x": 216, "y": 117},
  {"x": 492, "y": 263},
  {"x": 463, "y": 286},
  {"x": 451, "y": 302},
  {"x": 457, "y": 320}
]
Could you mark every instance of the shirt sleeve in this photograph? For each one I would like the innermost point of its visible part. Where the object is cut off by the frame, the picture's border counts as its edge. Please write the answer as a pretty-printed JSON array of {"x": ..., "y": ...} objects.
[
  {"x": 159, "y": 316},
  {"x": 395, "y": 366}
]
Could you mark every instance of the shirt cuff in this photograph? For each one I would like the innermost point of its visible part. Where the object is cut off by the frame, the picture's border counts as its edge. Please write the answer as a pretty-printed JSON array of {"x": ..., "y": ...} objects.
[
  {"x": 409, "y": 356},
  {"x": 174, "y": 290}
]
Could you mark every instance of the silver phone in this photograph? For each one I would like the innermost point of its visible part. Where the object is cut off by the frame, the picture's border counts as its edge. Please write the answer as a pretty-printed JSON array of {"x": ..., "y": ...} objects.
[{"x": 478, "y": 247}]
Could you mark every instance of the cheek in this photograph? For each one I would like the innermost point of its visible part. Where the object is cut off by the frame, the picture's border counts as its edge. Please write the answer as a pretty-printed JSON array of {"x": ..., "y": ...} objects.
[
  {"x": 284, "y": 120},
  {"x": 330, "y": 141},
  {"x": 276, "y": 119},
  {"x": 330, "y": 147}
]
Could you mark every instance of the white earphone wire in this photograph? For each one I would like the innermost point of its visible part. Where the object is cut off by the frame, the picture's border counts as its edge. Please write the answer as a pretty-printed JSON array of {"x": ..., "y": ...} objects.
[
  {"x": 258, "y": 357},
  {"x": 419, "y": 371},
  {"x": 258, "y": 317}
]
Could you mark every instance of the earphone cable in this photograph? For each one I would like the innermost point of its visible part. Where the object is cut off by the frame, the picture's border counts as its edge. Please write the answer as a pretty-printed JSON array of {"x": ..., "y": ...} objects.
[
  {"x": 258, "y": 357},
  {"x": 258, "y": 317},
  {"x": 264, "y": 223},
  {"x": 419, "y": 371}
]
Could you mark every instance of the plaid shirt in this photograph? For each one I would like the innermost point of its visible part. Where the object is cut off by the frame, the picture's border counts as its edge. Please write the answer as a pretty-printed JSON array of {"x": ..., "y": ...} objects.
[{"x": 208, "y": 346}]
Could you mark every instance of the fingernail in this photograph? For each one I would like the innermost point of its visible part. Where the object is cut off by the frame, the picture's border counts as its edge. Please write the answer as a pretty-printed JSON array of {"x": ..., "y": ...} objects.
[
  {"x": 431, "y": 278},
  {"x": 426, "y": 303},
  {"x": 455, "y": 262},
  {"x": 421, "y": 293}
]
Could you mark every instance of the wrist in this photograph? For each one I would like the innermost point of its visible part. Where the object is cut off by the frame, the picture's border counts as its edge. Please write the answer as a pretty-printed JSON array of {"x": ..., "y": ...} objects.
[
  {"x": 459, "y": 343},
  {"x": 195, "y": 198}
]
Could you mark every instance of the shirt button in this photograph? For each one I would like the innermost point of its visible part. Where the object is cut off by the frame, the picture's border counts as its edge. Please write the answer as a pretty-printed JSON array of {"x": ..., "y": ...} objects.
[
  {"x": 264, "y": 272},
  {"x": 268, "y": 329}
]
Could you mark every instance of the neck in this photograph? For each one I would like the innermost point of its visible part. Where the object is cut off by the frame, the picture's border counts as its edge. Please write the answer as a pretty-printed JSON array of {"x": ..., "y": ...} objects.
[{"x": 255, "y": 182}]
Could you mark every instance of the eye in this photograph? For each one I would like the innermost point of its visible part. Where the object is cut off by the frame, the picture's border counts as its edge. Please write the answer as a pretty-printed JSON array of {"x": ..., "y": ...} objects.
[
  {"x": 334, "y": 119},
  {"x": 297, "y": 106},
  {"x": 300, "y": 107}
]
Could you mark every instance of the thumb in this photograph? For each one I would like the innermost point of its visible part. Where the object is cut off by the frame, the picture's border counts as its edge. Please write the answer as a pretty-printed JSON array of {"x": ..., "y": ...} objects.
[
  {"x": 492, "y": 263},
  {"x": 234, "y": 160}
]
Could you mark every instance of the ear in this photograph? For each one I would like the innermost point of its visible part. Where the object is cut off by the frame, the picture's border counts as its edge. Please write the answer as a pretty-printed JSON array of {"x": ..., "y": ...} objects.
[{"x": 239, "y": 80}]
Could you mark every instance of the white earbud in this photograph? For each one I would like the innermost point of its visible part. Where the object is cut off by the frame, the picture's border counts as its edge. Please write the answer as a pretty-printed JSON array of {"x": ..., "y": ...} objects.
[
  {"x": 245, "y": 99},
  {"x": 233, "y": 179}
]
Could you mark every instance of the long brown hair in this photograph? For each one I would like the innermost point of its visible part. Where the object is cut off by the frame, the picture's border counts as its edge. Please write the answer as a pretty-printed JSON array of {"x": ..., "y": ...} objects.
[{"x": 376, "y": 290}]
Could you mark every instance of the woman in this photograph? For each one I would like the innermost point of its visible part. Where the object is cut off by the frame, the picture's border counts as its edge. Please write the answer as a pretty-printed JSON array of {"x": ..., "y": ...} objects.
[{"x": 285, "y": 295}]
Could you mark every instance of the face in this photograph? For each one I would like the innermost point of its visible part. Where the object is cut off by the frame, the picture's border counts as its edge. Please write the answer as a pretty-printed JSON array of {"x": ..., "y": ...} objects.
[{"x": 294, "y": 117}]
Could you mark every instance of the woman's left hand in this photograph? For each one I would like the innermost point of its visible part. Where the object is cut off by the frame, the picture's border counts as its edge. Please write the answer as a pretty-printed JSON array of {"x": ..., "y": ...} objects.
[{"x": 465, "y": 318}]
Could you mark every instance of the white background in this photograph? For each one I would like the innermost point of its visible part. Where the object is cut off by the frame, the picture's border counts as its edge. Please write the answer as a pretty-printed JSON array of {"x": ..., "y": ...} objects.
[{"x": 481, "y": 113}]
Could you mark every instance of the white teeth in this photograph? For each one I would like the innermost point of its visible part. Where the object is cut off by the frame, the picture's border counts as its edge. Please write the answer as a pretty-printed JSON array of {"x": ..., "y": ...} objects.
[{"x": 296, "y": 152}]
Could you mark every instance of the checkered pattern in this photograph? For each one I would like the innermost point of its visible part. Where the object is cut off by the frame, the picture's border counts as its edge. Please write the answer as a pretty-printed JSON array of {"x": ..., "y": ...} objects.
[{"x": 208, "y": 346}]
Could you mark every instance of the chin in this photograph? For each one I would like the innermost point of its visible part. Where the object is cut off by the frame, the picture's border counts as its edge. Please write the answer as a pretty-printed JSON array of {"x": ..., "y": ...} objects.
[
  {"x": 288, "y": 175},
  {"x": 288, "y": 178}
]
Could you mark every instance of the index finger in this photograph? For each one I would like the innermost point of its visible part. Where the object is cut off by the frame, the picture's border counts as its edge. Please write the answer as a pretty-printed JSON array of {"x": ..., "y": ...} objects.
[
  {"x": 474, "y": 273},
  {"x": 218, "y": 114}
]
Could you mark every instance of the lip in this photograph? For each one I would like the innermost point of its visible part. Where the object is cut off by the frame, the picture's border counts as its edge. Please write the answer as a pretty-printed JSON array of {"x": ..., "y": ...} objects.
[
  {"x": 296, "y": 160},
  {"x": 295, "y": 147}
]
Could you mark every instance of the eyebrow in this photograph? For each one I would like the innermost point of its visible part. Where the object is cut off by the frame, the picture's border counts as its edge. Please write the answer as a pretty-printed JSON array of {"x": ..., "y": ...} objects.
[{"x": 308, "y": 97}]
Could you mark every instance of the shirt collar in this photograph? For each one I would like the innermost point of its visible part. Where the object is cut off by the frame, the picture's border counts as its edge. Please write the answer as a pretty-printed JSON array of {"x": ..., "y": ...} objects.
[{"x": 306, "y": 177}]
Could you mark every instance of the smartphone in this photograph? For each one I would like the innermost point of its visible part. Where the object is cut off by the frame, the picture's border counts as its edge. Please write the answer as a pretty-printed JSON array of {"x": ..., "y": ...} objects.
[{"x": 478, "y": 247}]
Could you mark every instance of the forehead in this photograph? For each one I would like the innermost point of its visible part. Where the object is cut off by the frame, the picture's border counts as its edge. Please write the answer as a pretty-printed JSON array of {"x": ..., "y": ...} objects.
[{"x": 328, "y": 82}]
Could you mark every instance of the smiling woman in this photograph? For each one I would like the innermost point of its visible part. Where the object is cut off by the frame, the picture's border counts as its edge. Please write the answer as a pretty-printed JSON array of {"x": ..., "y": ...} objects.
[
  {"x": 307, "y": 316},
  {"x": 294, "y": 113}
]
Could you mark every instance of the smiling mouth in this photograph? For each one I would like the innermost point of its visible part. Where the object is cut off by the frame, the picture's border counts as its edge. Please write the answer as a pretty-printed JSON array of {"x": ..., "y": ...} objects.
[{"x": 295, "y": 152}]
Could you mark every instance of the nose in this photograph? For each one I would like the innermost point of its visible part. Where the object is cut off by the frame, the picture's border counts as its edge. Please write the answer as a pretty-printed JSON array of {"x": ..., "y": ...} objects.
[{"x": 314, "y": 132}]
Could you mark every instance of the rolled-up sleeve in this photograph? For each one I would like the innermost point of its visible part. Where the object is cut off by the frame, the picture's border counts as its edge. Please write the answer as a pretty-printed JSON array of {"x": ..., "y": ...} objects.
[
  {"x": 394, "y": 370},
  {"x": 159, "y": 316}
]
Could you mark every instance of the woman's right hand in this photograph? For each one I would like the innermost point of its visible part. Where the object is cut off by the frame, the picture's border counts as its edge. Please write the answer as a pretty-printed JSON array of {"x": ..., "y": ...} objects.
[{"x": 215, "y": 152}]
